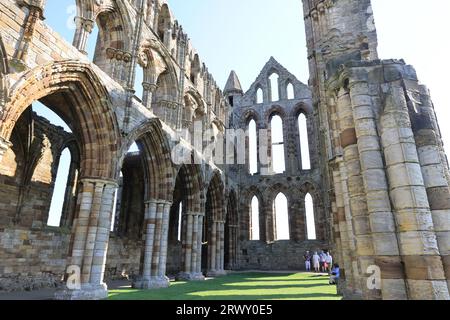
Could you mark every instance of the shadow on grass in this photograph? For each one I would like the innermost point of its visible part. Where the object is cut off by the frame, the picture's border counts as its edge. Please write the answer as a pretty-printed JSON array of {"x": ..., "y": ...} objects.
[
  {"x": 300, "y": 296},
  {"x": 235, "y": 287}
]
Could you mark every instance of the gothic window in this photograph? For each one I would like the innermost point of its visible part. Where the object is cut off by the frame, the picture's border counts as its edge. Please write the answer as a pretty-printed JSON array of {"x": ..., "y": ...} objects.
[
  {"x": 304, "y": 143},
  {"x": 273, "y": 79},
  {"x": 259, "y": 96},
  {"x": 310, "y": 221},
  {"x": 56, "y": 206},
  {"x": 253, "y": 147},
  {"x": 278, "y": 159},
  {"x": 290, "y": 91},
  {"x": 254, "y": 219},
  {"x": 281, "y": 217}
]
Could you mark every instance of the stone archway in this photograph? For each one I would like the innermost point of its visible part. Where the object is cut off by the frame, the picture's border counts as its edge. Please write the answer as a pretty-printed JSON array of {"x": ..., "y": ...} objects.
[
  {"x": 188, "y": 192},
  {"x": 76, "y": 94},
  {"x": 214, "y": 227},
  {"x": 158, "y": 170},
  {"x": 231, "y": 249}
]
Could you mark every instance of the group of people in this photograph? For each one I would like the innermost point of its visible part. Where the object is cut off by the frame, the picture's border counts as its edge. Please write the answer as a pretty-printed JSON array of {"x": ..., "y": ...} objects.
[{"x": 322, "y": 262}]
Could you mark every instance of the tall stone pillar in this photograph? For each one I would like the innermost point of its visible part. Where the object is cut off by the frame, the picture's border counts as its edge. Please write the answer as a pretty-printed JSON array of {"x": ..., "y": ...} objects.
[
  {"x": 435, "y": 173},
  {"x": 164, "y": 243},
  {"x": 195, "y": 252},
  {"x": 356, "y": 192},
  {"x": 217, "y": 250},
  {"x": 345, "y": 226},
  {"x": 192, "y": 248},
  {"x": 198, "y": 266},
  {"x": 153, "y": 270},
  {"x": 187, "y": 244},
  {"x": 83, "y": 30},
  {"x": 149, "y": 222},
  {"x": 222, "y": 247},
  {"x": 379, "y": 221},
  {"x": 90, "y": 240},
  {"x": 423, "y": 266},
  {"x": 341, "y": 254},
  {"x": 212, "y": 250}
]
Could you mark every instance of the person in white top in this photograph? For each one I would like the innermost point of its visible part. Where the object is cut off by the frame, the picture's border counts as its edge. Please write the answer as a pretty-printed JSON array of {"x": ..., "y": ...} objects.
[
  {"x": 316, "y": 262},
  {"x": 329, "y": 261}
]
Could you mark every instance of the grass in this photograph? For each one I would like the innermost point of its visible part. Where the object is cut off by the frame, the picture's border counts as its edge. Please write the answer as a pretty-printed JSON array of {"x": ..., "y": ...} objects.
[{"x": 240, "y": 286}]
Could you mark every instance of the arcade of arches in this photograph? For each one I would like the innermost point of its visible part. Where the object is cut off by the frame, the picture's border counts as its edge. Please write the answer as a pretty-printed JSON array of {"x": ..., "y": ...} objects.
[{"x": 353, "y": 163}]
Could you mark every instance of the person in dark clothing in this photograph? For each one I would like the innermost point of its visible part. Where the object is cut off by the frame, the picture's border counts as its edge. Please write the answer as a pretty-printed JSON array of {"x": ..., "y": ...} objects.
[
  {"x": 335, "y": 274},
  {"x": 307, "y": 258}
]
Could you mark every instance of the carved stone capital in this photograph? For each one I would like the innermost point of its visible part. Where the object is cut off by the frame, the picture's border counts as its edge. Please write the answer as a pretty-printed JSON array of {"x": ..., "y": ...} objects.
[{"x": 149, "y": 86}]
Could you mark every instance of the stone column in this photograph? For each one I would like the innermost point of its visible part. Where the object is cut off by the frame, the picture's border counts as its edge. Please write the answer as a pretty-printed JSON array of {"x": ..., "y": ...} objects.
[
  {"x": 356, "y": 192},
  {"x": 187, "y": 246},
  {"x": 198, "y": 267},
  {"x": 194, "y": 244},
  {"x": 83, "y": 30},
  {"x": 337, "y": 218},
  {"x": 424, "y": 270},
  {"x": 150, "y": 221},
  {"x": 222, "y": 247},
  {"x": 217, "y": 249},
  {"x": 90, "y": 239},
  {"x": 192, "y": 248},
  {"x": 157, "y": 238},
  {"x": 218, "y": 246},
  {"x": 380, "y": 219},
  {"x": 147, "y": 96},
  {"x": 345, "y": 227},
  {"x": 160, "y": 246},
  {"x": 212, "y": 250},
  {"x": 164, "y": 243},
  {"x": 435, "y": 172},
  {"x": 153, "y": 270}
]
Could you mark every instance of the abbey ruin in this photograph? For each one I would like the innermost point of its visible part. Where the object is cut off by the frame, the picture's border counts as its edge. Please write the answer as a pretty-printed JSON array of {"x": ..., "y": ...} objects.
[{"x": 370, "y": 161}]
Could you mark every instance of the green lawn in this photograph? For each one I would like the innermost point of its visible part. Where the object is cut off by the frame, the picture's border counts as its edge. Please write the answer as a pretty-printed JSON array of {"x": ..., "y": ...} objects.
[{"x": 242, "y": 286}]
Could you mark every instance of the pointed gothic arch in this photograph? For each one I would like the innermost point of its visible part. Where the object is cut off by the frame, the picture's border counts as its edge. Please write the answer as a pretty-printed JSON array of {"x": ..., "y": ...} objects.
[{"x": 87, "y": 111}]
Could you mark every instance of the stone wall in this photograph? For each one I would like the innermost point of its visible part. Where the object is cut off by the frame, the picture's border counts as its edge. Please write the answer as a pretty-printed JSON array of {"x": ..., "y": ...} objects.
[
  {"x": 123, "y": 258},
  {"x": 174, "y": 259},
  {"x": 32, "y": 259},
  {"x": 279, "y": 255}
]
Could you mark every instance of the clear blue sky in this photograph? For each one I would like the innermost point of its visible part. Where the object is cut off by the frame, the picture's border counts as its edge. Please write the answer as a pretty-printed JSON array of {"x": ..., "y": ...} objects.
[{"x": 243, "y": 34}]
